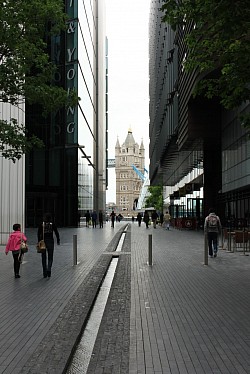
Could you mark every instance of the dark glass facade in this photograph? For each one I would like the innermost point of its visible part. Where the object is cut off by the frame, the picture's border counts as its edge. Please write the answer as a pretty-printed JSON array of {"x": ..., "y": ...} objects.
[
  {"x": 63, "y": 178},
  {"x": 198, "y": 150}
]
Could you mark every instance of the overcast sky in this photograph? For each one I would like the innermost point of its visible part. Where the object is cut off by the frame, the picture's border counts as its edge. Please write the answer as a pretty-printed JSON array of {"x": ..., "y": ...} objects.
[{"x": 127, "y": 33}]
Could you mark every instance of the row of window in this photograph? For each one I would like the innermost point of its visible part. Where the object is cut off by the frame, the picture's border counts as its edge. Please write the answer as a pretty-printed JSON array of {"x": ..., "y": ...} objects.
[
  {"x": 135, "y": 150},
  {"x": 126, "y": 188}
]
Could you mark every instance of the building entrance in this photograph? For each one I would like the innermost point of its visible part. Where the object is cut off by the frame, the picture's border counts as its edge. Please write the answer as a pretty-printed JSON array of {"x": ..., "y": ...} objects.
[{"x": 188, "y": 216}]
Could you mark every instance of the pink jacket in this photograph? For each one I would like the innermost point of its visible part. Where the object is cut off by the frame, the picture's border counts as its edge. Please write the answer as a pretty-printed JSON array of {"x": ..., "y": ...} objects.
[{"x": 14, "y": 241}]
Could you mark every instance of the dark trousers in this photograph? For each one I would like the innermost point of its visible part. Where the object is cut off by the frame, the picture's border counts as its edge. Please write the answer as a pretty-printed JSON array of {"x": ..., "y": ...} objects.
[
  {"x": 101, "y": 224},
  {"x": 47, "y": 256},
  {"x": 212, "y": 239},
  {"x": 16, "y": 257}
]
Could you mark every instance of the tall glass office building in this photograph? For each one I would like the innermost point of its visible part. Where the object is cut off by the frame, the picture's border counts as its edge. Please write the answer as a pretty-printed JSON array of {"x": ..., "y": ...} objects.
[
  {"x": 199, "y": 151},
  {"x": 68, "y": 176}
]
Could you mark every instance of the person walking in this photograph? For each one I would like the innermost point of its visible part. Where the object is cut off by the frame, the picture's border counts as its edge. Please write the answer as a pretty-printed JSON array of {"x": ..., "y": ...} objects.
[
  {"x": 139, "y": 218},
  {"x": 45, "y": 231},
  {"x": 87, "y": 216},
  {"x": 101, "y": 219},
  {"x": 212, "y": 228},
  {"x": 154, "y": 218},
  {"x": 161, "y": 218},
  {"x": 112, "y": 216},
  {"x": 146, "y": 219},
  {"x": 94, "y": 219},
  {"x": 167, "y": 219},
  {"x": 14, "y": 245}
]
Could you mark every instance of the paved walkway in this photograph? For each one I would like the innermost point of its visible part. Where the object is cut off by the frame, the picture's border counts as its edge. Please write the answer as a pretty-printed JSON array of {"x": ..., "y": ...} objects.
[
  {"x": 187, "y": 317},
  {"x": 176, "y": 316},
  {"x": 30, "y": 306}
]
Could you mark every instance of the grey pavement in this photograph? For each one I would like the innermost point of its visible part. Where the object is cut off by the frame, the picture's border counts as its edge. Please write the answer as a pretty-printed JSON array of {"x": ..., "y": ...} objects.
[{"x": 176, "y": 316}]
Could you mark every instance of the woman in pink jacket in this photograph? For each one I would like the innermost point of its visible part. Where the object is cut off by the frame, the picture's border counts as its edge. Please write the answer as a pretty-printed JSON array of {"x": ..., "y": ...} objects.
[{"x": 13, "y": 245}]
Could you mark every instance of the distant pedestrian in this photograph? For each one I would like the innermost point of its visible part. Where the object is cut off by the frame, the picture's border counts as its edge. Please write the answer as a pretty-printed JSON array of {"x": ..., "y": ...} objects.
[
  {"x": 94, "y": 219},
  {"x": 13, "y": 245},
  {"x": 112, "y": 216},
  {"x": 139, "y": 218},
  {"x": 212, "y": 228},
  {"x": 167, "y": 219},
  {"x": 87, "y": 216},
  {"x": 133, "y": 219},
  {"x": 154, "y": 218},
  {"x": 46, "y": 229},
  {"x": 161, "y": 218},
  {"x": 100, "y": 217},
  {"x": 146, "y": 219}
]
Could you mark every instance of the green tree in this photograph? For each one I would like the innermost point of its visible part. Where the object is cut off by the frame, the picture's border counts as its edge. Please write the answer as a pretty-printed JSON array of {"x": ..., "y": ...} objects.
[
  {"x": 155, "y": 198},
  {"x": 218, "y": 41},
  {"x": 26, "y": 71}
]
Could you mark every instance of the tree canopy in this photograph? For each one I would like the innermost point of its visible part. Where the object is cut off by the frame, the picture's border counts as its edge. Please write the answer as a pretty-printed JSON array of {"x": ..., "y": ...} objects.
[
  {"x": 155, "y": 199},
  {"x": 26, "y": 71},
  {"x": 218, "y": 41}
]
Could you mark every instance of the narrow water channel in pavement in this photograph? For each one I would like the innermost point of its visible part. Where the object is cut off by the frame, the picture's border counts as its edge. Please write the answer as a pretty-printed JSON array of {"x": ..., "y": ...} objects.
[
  {"x": 80, "y": 360},
  {"x": 82, "y": 355},
  {"x": 120, "y": 244}
]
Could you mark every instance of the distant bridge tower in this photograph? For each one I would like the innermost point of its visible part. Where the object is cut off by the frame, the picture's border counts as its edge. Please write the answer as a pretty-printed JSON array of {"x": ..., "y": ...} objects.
[{"x": 128, "y": 182}]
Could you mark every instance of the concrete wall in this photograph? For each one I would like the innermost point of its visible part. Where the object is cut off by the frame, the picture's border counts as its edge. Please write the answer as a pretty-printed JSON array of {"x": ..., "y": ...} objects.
[{"x": 12, "y": 183}]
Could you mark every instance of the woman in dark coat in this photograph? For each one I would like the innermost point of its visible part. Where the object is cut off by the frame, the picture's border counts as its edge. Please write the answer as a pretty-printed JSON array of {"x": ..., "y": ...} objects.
[
  {"x": 146, "y": 219},
  {"x": 139, "y": 218},
  {"x": 46, "y": 229}
]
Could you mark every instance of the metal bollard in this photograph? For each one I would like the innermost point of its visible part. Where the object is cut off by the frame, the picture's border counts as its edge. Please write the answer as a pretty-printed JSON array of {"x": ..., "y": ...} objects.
[
  {"x": 205, "y": 249},
  {"x": 74, "y": 249},
  {"x": 150, "y": 262},
  {"x": 229, "y": 241}
]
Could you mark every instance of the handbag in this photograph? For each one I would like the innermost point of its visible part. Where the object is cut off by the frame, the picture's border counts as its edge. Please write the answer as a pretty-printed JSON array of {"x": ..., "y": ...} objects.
[
  {"x": 23, "y": 247},
  {"x": 41, "y": 246}
]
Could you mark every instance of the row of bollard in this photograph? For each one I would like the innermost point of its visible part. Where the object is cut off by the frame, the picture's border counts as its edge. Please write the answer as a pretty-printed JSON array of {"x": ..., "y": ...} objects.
[{"x": 150, "y": 250}]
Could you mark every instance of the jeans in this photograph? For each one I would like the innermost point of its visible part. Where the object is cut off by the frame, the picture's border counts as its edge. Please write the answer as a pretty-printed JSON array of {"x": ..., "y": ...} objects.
[
  {"x": 48, "y": 255},
  {"x": 212, "y": 239},
  {"x": 16, "y": 258}
]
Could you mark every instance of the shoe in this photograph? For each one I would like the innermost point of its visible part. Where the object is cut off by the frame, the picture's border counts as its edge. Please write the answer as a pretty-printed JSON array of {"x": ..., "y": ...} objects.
[
  {"x": 211, "y": 256},
  {"x": 215, "y": 254},
  {"x": 49, "y": 274},
  {"x": 17, "y": 276},
  {"x": 45, "y": 275}
]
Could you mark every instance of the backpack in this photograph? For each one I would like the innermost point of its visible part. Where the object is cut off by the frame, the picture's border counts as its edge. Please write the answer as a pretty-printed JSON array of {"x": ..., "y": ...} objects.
[{"x": 212, "y": 221}]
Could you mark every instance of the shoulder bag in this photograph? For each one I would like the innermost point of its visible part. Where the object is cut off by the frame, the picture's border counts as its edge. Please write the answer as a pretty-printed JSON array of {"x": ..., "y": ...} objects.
[
  {"x": 23, "y": 246},
  {"x": 41, "y": 246}
]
